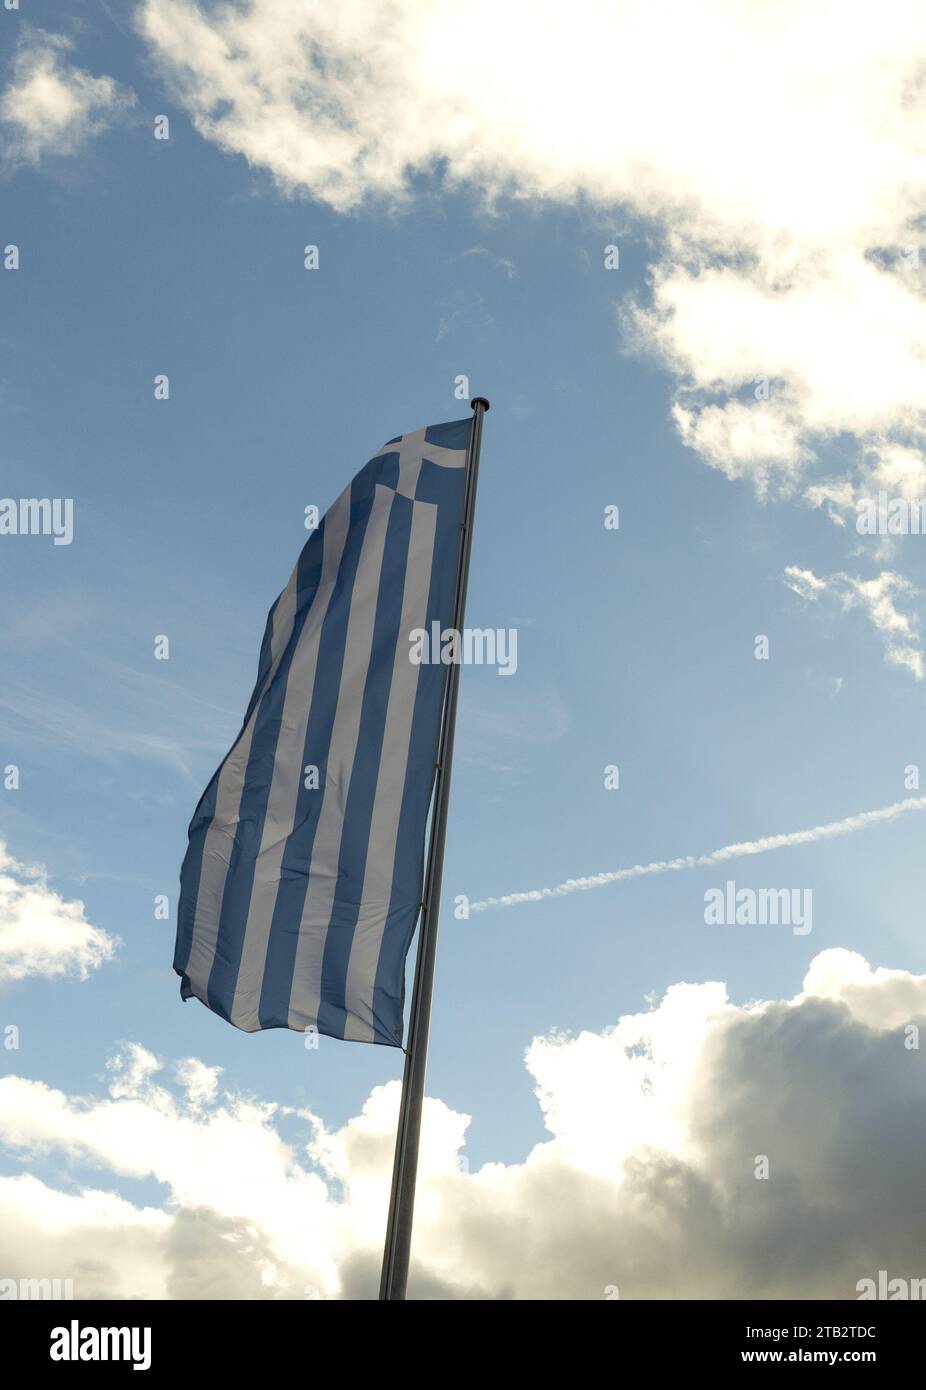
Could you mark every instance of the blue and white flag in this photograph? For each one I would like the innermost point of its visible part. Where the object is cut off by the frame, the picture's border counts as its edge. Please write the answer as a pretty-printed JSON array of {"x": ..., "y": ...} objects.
[{"x": 302, "y": 881}]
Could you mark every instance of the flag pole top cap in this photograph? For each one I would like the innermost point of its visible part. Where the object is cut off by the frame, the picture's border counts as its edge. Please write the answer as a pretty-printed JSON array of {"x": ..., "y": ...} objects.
[{"x": 480, "y": 400}]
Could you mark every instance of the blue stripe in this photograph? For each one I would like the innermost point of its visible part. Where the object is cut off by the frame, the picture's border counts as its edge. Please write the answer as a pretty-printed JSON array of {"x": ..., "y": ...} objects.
[
  {"x": 253, "y": 807},
  {"x": 190, "y": 872},
  {"x": 358, "y": 811},
  {"x": 452, "y": 435},
  {"x": 266, "y": 657}
]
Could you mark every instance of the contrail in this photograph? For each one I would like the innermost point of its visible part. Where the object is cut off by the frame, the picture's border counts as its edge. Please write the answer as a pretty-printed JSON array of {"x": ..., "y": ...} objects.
[{"x": 716, "y": 856}]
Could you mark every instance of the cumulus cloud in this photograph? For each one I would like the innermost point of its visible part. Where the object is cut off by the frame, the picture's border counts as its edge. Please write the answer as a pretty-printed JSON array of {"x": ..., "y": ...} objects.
[
  {"x": 774, "y": 150},
  {"x": 51, "y": 107},
  {"x": 876, "y": 599},
  {"x": 646, "y": 1181},
  {"x": 42, "y": 933},
  {"x": 106, "y": 1245}
]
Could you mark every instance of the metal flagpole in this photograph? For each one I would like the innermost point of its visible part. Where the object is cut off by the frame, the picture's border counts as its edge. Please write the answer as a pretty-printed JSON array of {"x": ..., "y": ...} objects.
[{"x": 405, "y": 1167}]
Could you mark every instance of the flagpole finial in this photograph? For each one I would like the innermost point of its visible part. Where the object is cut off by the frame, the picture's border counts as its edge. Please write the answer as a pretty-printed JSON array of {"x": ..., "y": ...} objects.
[{"x": 480, "y": 400}]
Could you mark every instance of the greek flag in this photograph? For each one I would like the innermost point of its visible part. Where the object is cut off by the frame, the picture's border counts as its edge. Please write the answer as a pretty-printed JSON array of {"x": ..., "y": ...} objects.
[{"x": 302, "y": 881}]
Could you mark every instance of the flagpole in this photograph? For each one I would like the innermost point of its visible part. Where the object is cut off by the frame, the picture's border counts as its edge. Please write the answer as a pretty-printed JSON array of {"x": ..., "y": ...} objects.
[{"x": 405, "y": 1167}]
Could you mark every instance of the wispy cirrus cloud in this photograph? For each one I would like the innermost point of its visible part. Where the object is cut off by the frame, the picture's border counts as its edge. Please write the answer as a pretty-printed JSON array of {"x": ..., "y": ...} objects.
[
  {"x": 109, "y": 708},
  {"x": 831, "y": 830},
  {"x": 876, "y": 598}
]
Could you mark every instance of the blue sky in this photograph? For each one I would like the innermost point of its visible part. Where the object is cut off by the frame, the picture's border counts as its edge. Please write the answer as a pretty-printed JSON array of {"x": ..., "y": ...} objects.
[{"x": 635, "y": 646}]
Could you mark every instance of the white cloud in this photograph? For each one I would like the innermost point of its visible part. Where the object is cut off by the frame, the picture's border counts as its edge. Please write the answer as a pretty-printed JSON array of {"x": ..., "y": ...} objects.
[
  {"x": 200, "y": 1082},
  {"x": 109, "y": 1247},
  {"x": 898, "y": 471},
  {"x": 875, "y": 597},
  {"x": 646, "y": 1180},
  {"x": 42, "y": 933},
  {"x": 831, "y": 830},
  {"x": 776, "y": 150},
  {"x": 51, "y": 107}
]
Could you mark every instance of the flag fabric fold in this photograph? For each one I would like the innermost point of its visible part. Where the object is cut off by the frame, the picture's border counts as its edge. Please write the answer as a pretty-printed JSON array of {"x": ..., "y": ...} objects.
[{"x": 302, "y": 881}]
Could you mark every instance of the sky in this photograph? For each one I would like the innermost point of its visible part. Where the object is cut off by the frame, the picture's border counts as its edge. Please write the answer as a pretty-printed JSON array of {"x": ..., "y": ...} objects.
[{"x": 688, "y": 278}]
